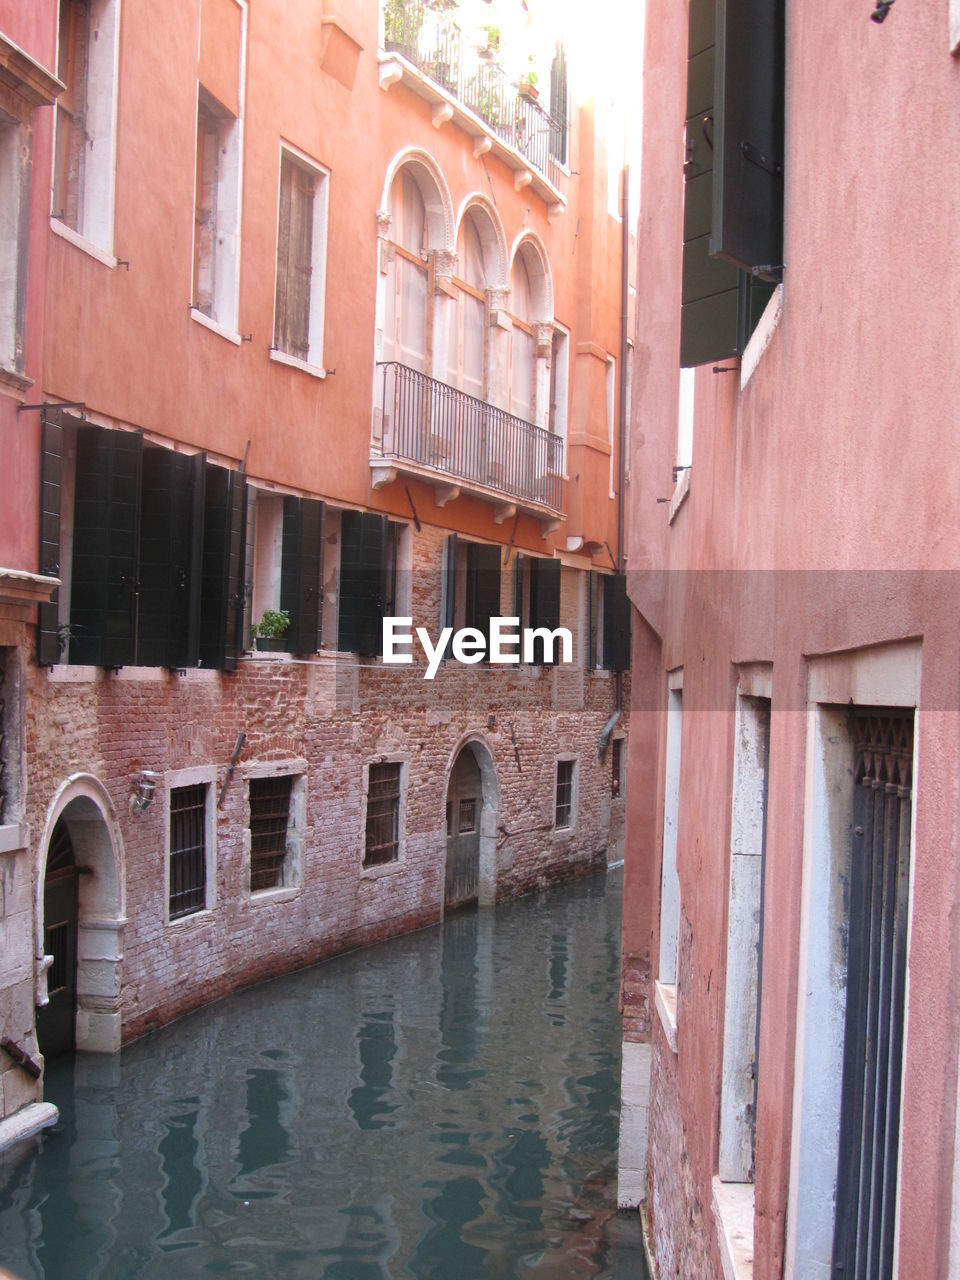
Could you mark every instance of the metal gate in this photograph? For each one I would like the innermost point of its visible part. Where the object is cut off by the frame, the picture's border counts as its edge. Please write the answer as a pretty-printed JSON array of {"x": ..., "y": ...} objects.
[
  {"x": 57, "y": 1019},
  {"x": 876, "y": 975},
  {"x": 464, "y": 803}
]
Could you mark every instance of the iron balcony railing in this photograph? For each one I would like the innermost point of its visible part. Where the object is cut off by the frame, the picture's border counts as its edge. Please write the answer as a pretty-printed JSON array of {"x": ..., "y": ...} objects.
[
  {"x": 430, "y": 40},
  {"x": 426, "y": 422}
]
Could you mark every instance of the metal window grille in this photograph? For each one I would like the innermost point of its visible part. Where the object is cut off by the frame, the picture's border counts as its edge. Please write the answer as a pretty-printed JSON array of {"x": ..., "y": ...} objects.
[
  {"x": 188, "y": 850},
  {"x": 564, "y": 793},
  {"x": 876, "y": 980},
  {"x": 467, "y": 817},
  {"x": 616, "y": 767},
  {"x": 269, "y": 816},
  {"x": 383, "y": 815}
]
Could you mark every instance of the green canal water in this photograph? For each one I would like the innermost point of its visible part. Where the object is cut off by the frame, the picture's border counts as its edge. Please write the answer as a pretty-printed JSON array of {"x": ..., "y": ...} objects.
[{"x": 443, "y": 1107}]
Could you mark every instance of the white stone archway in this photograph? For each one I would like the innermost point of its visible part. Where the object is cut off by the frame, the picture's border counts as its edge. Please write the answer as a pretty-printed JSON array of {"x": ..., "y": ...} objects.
[
  {"x": 87, "y": 811},
  {"x": 489, "y": 812}
]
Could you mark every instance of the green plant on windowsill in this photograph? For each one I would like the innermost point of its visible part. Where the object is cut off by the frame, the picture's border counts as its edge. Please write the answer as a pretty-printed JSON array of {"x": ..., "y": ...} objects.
[
  {"x": 528, "y": 81},
  {"x": 269, "y": 632}
]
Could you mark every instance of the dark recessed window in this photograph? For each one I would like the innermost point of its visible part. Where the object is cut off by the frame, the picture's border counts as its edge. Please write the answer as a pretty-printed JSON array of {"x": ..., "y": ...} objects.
[
  {"x": 188, "y": 851},
  {"x": 468, "y": 817},
  {"x": 616, "y": 766},
  {"x": 565, "y": 793},
  {"x": 383, "y": 815},
  {"x": 269, "y": 817}
]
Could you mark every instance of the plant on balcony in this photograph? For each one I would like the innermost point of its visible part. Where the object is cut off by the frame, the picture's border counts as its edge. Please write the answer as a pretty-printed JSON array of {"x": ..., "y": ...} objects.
[
  {"x": 269, "y": 632},
  {"x": 528, "y": 81},
  {"x": 492, "y": 46},
  {"x": 400, "y": 24}
]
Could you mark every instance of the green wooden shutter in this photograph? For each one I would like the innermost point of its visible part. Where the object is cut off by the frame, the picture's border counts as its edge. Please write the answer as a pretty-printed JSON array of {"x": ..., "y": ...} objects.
[
  {"x": 51, "y": 472},
  {"x": 747, "y": 219},
  {"x": 362, "y": 548},
  {"x": 483, "y": 587},
  {"x": 301, "y": 561},
  {"x": 616, "y": 623},
  {"x": 594, "y": 581},
  {"x": 221, "y": 592},
  {"x": 544, "y": 598},
  {"x": 450, "y": 582},
  {"x": 710, "y": 301},
  {"x": 106, "y": 527},
  {"x": 171, "y": 532}
]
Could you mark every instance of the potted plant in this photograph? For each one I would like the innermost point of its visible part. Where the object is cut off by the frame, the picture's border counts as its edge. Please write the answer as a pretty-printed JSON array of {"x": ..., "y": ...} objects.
[
  {"x": 269, "y": 632},
  {"x": 492, "y": 46},
  {"x": 528, "y": 82}
]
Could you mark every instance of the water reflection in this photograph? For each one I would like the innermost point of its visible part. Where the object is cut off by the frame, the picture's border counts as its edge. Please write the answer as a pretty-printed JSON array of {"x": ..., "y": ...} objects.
[{"x": 444, "y": 1105}]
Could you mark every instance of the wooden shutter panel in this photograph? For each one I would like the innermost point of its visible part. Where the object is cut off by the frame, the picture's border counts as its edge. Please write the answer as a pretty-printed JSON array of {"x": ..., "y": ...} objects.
[
  {"x": 616, "y": 623},
  {"x": 450, "y": 582},
  {"x": 301, "y": 562},
  {"x": 294, "y": 259},
  {"x": 483, "y": 587},
  {"x": 748, "y": 140},
  {"x": 51, "y": 480},
  {"x": 106, "y": 528},
  {"x": 544, "y": 597},
  {"x": 362, "y": 556},
  {"x": 280, "y": 336},
  {"x": 593, "y": 582},
  {"x": 221, "y": 615},
  {"x": 710, "y": 299},
  {"x": 171, "y": 534}
]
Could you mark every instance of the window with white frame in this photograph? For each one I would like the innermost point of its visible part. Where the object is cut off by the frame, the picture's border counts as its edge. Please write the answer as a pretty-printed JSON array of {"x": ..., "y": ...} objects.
[
  {"x": 382, "y": 825},
  {"x": 216, "y": 238},
  {"x": 669, "y": 879},
  {"x": 559, "y": 382},
  {"x": 405, "y": 292},
  {"x": 277, "y": 799},
  {"x": 565, "y": 806},
  {"x": 612, "y": 419},
  {"x": 301, "y": 259},
  {"x": 523, "y": 345},
  {"x": 13, "y": 206},
  {"x": 685, "y": 421},
  {"x": 468, "y": 313},
  {"x": 85, "y": 147}
]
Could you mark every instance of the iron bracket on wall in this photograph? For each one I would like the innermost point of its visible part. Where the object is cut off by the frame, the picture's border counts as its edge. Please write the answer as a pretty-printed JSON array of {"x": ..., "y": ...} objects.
[
  {"x": 755, "y": 156},
  {"x": 21, "y": 1058}
]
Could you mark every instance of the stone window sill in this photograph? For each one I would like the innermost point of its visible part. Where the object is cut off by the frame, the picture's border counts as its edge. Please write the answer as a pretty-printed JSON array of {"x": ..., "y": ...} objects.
[
  {"x": 267, "y": 897},
  {"x": 81, "y": 242},
  {"x": 13, "y": 837},
  {"x": 281, "y": 357},
  {"x": 733, "y": 1215},
  {"x": 666, "y": 1002},
  {"x": 385, "y": 869},
  {"x": 680, "y": 493},
  {"x": 214, "y": 326}
]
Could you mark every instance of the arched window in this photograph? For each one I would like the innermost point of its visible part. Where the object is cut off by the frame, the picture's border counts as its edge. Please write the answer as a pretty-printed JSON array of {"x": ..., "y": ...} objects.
[
  {"x": 405, "y": 316},
  {"x": 523, "y": 344},
  {"x": 467, "y": 318}
]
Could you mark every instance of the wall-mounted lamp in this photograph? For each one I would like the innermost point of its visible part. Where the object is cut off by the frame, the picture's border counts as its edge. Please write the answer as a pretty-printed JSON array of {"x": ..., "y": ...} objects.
[{"x": 144, "y": 783}]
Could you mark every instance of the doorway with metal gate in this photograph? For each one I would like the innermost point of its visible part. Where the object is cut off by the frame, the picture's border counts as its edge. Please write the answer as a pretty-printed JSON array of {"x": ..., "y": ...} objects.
[
  {"x": 56, "y": 1020},
  {"x": 471, "y": 826}
]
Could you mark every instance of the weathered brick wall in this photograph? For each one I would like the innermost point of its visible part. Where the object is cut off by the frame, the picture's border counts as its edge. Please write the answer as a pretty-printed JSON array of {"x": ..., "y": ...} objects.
[{"x": 337, "y": 713}]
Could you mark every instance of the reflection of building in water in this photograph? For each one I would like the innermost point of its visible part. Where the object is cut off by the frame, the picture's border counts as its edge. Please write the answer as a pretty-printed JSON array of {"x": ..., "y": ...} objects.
[{"x": 394, "y": 387}]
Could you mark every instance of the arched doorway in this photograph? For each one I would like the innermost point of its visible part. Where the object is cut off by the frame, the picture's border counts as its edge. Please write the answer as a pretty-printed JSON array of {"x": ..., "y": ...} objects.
[
  {"x": 79, "y": 921},
  {"x": 56, "y": 1020},
  {"x": 471, "y": 825}
]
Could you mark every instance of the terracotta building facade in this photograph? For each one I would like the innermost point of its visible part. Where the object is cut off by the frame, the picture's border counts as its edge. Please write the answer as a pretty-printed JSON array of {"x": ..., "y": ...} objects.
[
  {"x": 790, "y": 982},
  {"x": 336, "y": 335}
]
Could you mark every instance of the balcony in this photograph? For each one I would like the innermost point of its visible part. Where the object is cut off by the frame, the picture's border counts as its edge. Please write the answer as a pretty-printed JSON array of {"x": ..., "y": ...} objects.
[
  {"x": 427, "y": 429},
  {"x": 425, "y": 47}
]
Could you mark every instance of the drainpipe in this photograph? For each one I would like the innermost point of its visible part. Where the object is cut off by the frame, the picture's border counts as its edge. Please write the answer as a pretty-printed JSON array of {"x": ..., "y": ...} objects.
[{"x": 623, "y": 408}]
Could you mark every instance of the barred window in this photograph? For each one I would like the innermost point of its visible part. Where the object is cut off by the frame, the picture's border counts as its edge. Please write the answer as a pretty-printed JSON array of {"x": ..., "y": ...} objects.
[
  {"x": 383, "y": 815},
  {"x": 565, "y": 793},
  {"x": 188, "y": 850},
  {"x": 269, "y": 817}
]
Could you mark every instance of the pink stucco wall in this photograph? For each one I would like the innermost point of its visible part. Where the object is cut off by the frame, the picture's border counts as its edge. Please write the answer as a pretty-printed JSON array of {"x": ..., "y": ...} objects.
[{"x": 839, "y": 456}]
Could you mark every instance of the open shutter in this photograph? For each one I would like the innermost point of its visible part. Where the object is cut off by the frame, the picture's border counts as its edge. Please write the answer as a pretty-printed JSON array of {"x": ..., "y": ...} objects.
[
  {"x": 544, "y": 598},
  {"x": 593, "y": 617},
  {"x": 222, "y": 575},
  {"x": 616, "y": 623},
  {"x": 362, "y": 555},
  {"x": 748, "y": 139},
  {"x": 106, "y": 528},
  {"x": 51, "y": 469},
  {"x": 450, "y": 582},
  {"x": 483, "y": 587},
  {"x": 300, "y": 565},
  {"x": 710, "y": 307},
  {"x": 171, "y": 533}
]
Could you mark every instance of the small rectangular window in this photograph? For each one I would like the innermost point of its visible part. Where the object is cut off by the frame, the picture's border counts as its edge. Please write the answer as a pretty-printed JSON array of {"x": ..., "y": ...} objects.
[
  {"x": 188, "y": 851},
  {"x": 467, "y": 820},
  {"x": 14, "y": 197},
  {"x": 564, "y": 816},
  {"x": 269, "y": 816},
  {"x": 383, "y": 815},
  {"x": 616, "y": 767},
  {"x": 298, "y": 316}
]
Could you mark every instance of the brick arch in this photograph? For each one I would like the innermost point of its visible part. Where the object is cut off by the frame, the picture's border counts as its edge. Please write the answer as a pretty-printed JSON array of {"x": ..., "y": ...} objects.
[
  {"x": 82, "y": 801},
  {"x": 437, "y": 201}
]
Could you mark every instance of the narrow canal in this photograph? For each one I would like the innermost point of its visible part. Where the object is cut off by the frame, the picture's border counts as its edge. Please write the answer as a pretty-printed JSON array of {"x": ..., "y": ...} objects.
[{"x": 443, "y": 1106}]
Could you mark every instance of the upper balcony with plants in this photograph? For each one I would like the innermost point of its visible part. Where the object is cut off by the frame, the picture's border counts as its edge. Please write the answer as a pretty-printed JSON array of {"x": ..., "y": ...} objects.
[{"x": 424, "y": 46}]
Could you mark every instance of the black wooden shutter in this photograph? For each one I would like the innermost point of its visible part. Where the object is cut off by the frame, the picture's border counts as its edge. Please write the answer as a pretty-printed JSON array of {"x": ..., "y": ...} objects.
[
  {"x": 593, "y": 583},
  {"x": 106, "y": 528},
  {"x": 711, "y": 290},
  {"x": 222, "y": 575},
  {"x": 171, "y": 532},
  {"x": 748, "y": 139},
  {"x": 558, "y": 106},
  {"x": 483, "y": 587},
  {"x": 51, "y": 480},
  {"x": 301, "y": 562},
  {"x": 616, "y": 623},
  {"x": 362, "y": 548},
  {"x": 544, "y": 599},
  {"x": 450, "y": 582}
]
